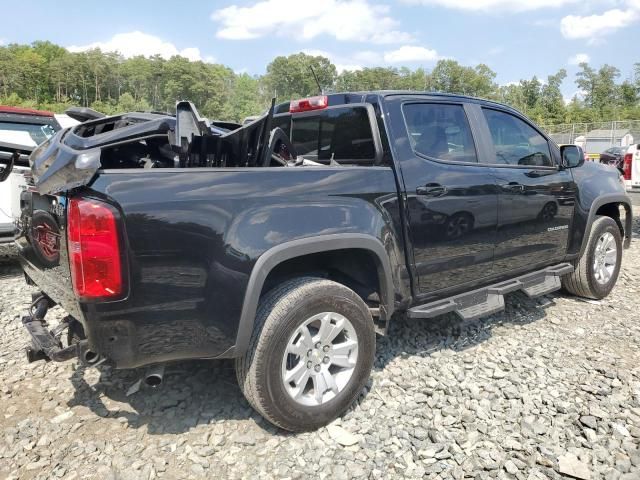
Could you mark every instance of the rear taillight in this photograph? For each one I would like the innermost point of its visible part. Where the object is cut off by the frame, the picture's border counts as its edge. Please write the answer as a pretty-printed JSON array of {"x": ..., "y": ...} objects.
[
  {"x": 626, "y": 166},
  {"x": 308, "y": 104},
  {"x": 94, "y": 249}
]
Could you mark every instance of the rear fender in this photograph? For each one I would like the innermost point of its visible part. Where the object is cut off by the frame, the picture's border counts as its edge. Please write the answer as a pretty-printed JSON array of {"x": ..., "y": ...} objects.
[{"x": 306, "y": 246}]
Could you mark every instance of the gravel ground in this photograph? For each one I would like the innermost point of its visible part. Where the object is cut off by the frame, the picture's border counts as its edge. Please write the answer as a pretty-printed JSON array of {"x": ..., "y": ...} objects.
[{"x": 550, "y": 388}]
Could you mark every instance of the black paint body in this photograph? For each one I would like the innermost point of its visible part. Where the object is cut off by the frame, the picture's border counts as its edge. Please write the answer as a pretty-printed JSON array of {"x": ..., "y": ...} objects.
[{"x": 194, "y": 239}]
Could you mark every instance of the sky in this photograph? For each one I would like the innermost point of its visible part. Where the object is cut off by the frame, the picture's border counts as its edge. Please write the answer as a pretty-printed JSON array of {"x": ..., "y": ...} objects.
[{"x": 516, "y": 38}]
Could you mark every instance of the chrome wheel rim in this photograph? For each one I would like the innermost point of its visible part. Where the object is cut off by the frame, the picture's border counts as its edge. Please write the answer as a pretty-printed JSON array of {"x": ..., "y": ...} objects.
[
  {"x": 320, "y": 359},
  {"x": 605, "y": 258}
]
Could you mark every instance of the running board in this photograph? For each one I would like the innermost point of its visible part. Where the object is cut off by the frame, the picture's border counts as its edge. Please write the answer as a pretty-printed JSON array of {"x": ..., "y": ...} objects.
[{"x": 488, "y": 300}]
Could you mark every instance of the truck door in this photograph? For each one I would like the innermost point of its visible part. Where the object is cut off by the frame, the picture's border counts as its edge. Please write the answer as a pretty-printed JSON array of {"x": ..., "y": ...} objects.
[
  {"x": 451, "y": 197},
  {"x": 535, "y": 195}
]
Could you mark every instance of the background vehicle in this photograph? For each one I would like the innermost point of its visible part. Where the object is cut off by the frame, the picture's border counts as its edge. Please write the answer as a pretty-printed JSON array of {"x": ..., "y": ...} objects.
[
  {"x": 631, "y": 167},
  {"x": 613, "y": 156},
  {"x": 289, "y": 242},
  {"x": 23, "y": 129}
]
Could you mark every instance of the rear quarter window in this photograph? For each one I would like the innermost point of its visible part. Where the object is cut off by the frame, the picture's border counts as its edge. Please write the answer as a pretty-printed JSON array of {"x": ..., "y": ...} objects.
[{"x": 341, "y": 134}]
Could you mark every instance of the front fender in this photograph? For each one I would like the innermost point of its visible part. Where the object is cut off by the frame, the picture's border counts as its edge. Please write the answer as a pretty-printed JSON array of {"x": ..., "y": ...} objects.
[{"x": 604, "y": 200}]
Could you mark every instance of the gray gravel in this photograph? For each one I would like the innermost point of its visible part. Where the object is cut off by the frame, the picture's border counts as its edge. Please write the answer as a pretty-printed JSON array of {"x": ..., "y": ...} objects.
[{"x": 548, "y": 389}]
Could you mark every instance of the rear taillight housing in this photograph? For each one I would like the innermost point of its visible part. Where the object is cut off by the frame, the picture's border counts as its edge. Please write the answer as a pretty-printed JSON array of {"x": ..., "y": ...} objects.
[
  {"x": 309, "y": 104},
  {"x": 94, "y": 249},
  {"x": 626, "y": 166}
]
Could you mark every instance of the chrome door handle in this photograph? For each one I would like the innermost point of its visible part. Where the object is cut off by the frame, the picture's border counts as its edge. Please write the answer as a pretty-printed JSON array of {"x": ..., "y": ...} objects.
[
  {"x": 432, "y": 190},
  {"x": 514, "y": 187}
]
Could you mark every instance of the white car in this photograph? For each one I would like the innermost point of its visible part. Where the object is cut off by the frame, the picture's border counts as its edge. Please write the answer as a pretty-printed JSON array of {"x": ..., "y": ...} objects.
[
  {"x": 631, "y": 167},
  {"x": 23, "y": 129}
]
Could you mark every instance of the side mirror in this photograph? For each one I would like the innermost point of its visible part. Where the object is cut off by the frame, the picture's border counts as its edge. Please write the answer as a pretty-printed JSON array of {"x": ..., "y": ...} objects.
[{"x": 572, "y": 156}]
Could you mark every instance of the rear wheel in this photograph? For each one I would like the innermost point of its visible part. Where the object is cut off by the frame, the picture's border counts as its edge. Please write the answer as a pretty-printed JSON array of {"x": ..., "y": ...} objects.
[
  {"x": 596, "y": 271},
  {"x": 310, "y": 355}
]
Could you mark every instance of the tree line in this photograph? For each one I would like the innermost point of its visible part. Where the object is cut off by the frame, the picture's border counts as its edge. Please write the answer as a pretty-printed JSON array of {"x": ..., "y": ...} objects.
[{"x": 47, "y": 76}]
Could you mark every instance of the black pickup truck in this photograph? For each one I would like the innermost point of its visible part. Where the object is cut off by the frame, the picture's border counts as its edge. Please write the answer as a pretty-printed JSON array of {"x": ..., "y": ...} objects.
[{"x": 288, "y": 242}]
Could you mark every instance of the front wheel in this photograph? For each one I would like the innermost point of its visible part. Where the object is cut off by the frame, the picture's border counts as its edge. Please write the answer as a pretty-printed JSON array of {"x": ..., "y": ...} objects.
[
  {"x": 310, "y": 355},
  {"x": 596, "y": 271}
]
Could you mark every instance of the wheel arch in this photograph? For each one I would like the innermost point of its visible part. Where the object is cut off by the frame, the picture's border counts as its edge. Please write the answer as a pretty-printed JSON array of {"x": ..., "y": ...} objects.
[
  {"x": 609, "y": 206},
  {"x": 302, "y": 248}
]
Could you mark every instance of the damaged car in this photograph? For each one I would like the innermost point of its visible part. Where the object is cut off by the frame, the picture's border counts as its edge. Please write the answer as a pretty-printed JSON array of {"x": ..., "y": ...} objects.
[{"x": 289, "y": 242}]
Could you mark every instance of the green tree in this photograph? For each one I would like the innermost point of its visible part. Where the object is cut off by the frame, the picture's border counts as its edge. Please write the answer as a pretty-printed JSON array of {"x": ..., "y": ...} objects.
[
  {"x": 600, "y": 89},
  {"x": 291, "y": 77},
  {"x": 451, "y": 77},
  {"x": 45, "y": 75},
  {"x": 377, "y": 78},
  {"x": 551, "y": 99},
  {"x": 245, "y": 99}
]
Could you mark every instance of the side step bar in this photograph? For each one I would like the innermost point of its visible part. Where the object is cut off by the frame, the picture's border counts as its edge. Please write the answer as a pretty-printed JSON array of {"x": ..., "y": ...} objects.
[{"x": 488, "y": 300}]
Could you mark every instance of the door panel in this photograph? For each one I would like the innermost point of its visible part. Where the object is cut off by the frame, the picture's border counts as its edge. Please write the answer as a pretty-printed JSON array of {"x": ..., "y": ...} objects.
[
  {"x": 453, "y": 232},
  {"x": 533, "y": 223},
  {"x": 451, "y": 199},
  {"x": 535, "y": 197}
]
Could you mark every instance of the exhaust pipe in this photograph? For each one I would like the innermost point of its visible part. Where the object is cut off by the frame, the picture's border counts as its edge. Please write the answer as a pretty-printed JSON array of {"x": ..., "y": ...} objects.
[{"x": 154, "y": 376}]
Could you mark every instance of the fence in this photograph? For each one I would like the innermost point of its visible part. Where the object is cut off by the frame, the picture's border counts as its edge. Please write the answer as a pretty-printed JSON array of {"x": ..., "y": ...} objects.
[{"x": 594, "y": 138}]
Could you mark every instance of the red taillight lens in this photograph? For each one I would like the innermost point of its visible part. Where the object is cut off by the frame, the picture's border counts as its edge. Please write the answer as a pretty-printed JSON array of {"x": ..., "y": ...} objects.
[
  {"x": 308, "y": 104},
  {"x": 626, "y": 166},
  {"x": 94, "y": 249}
]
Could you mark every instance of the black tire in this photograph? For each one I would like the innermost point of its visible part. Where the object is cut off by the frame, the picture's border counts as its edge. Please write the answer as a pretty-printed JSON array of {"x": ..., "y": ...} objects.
[
  {"x": 280, "y": 313},
  {"x": 582, "y": 281}
]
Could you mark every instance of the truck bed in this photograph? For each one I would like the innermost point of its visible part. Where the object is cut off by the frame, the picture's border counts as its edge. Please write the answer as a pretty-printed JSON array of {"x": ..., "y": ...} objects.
[{"x": 192, "y": 237}]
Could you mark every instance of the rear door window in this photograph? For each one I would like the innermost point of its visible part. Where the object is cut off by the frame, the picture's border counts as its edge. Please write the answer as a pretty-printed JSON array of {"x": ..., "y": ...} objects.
[
  {"x": 440, "y": 131},
  {"x": 341, "y": 134}
]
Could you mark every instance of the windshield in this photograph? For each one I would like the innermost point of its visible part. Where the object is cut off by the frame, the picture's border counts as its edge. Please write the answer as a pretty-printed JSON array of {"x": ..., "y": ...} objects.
[{"x": 27, "y": 134}]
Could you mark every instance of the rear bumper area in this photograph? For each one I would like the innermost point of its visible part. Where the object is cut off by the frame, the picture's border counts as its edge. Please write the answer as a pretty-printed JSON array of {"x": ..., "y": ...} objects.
[
  {"x": 46, "y": 344},
  {"x": 120, "y": 343}
]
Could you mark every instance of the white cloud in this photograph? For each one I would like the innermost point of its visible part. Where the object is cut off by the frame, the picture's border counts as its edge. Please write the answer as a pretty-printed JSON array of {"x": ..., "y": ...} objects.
[
  {"x": 353, "y": 20},
  {"x": 136, "y": 43},
  {"x": 411, "y": 54},
  {"x": 368, "y": 58},
  {"x": 341, "y": 62},
  {"x": 593, "y": 27},
  {"x": 579, "y": 58},
  {"x": 488, "y": 5}
]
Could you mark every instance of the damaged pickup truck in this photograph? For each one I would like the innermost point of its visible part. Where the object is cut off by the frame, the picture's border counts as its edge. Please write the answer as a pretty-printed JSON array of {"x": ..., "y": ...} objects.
[{"x": 287, "y": 243}]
